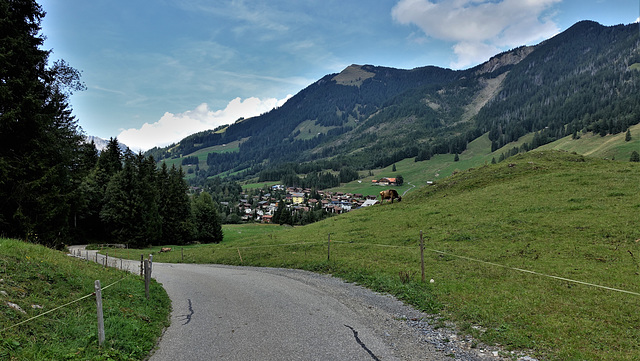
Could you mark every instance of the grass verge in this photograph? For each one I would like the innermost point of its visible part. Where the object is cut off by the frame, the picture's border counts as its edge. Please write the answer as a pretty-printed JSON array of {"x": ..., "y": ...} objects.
[{"x": 38, "y": 280}]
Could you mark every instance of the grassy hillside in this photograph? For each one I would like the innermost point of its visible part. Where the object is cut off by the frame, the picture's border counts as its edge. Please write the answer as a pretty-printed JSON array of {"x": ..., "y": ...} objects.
[
  {"x": 610, "y": 146},
  {"x": 202, "y": 156},
  {"x": 38, "y": 276},
  {"x": 552, "y": 213}
]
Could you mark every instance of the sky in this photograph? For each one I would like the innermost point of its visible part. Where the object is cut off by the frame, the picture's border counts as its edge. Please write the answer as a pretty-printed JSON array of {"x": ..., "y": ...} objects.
[{"x": 159, "y": 71}]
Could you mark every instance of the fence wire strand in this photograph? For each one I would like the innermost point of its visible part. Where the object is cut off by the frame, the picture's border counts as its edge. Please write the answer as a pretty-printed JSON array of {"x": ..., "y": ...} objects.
[
  {"x": 502, "y": 266},
  {"x": 59, "y": 307}
]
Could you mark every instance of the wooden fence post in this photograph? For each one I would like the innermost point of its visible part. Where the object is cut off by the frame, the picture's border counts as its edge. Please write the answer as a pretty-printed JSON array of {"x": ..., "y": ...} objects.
[
  {"x": 100, "y": 316},
  {"x": 141, "y": 264},
  {"x": 329, "y": 247},
  {"x": 422, "y": 255},
  {"x": 182, "y": 251},
  {"x": 147, "y": 277}
]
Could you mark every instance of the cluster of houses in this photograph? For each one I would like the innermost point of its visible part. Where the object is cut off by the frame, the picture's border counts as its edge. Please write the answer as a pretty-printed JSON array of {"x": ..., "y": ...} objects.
[{"x": 262, "y": 208}]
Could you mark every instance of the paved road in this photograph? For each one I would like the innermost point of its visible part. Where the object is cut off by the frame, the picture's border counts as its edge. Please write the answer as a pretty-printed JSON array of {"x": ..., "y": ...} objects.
[{"x": 245, "y": 313}]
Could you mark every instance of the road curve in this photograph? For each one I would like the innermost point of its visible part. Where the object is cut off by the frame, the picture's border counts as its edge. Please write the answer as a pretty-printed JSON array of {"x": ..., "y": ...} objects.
[
  {"x": 249, "y": 313},
  {"x": 244, "y": 313}
]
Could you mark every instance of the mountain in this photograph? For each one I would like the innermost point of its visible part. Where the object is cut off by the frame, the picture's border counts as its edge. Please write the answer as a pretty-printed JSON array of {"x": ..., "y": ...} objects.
[
  {"x": 586, "y": 79},
  {"x": 101, "y": 143}
]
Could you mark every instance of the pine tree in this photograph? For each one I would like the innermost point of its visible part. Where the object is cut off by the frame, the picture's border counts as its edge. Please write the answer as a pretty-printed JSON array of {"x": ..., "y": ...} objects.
[
  {"x": 278, "y": 213},
  {"x": 147, "y": 199},
  {"x": 627, "y": 136},
  {"x": 206, "y": 220},
  {"x": 635, "y": 157},
  {"x": 38, "y": 135},
  {"x": 111, "y": 158},
  {"x": 130, "y": 212},
  {"x": 175, "y": 206},
  {"x": 119, "y": 212}
]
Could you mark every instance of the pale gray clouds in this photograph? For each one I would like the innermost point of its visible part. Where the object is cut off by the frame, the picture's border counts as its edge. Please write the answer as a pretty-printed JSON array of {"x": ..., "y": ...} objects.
[{"x": 479, "y": 28}]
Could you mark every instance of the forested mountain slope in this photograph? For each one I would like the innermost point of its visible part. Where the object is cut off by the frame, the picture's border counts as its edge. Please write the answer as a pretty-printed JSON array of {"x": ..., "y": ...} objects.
[{"x": 583, "y": 79}]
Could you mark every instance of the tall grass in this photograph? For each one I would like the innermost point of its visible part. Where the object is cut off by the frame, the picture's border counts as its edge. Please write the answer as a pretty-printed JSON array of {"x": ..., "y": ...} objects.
[{"x": 38, "y": 276}]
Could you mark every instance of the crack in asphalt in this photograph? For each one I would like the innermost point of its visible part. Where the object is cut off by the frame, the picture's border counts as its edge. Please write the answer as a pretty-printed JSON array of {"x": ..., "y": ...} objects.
[
  {"x": 359, "y": 341},
  {"x": 187, "y": 318}
]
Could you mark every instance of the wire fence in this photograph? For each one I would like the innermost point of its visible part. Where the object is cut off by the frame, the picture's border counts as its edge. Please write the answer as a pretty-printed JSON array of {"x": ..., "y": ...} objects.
[
  {"x": 146, "y": 265},
  {"x": 449, "y": 254},
  {"x": 60, "y": 307},
  {"x": 106, "y": 262}
]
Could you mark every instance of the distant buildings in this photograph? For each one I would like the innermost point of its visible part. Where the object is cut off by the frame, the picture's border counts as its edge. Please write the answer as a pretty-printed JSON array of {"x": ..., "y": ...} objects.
[
  {"x": 385, "y": 181},
  {"x": 302, "y": 200}
]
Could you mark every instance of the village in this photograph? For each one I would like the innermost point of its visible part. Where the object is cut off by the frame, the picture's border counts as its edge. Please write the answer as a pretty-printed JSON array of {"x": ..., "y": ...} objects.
[{"x": 262, "y": 207}]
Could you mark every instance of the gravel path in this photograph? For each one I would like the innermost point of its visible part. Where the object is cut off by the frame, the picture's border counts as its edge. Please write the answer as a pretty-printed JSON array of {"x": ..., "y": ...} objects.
[{"x": 250, "y": 313}]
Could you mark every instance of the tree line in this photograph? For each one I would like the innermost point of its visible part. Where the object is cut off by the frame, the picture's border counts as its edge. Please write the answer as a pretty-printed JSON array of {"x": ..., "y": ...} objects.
[
  {"x": 130, "y": 199},
  {"x": 54, "y": 188}
]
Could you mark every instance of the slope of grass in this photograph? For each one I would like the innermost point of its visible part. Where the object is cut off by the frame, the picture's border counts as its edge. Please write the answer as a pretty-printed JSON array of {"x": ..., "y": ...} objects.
[
  {"x": 553, "y": 213},
  {"x": 38, "y": 276},
  {"x": 611, "y": 146}
]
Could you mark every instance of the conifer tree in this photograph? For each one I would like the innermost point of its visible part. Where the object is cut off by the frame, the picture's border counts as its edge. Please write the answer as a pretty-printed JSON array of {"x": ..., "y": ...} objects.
[
  {"x": 38, "y": 135},
  {"x": 206, "y": 220},
  {"x": 174, "y": 206},
  {"x": 277, "y": 215}
]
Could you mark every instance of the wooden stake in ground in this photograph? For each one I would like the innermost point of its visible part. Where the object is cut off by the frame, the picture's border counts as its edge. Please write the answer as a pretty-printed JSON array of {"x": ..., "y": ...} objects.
[
  {"x": 147, "y": 277},
  {"x": 328, "y": 247},
  {"x": 98, "y": 289},
  {"x": 422, "y": 255}
]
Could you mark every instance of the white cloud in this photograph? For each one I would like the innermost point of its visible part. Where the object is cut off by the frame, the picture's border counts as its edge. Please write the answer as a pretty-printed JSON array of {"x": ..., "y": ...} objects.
[
  {"x": 469, "y": 52},
  {"x": 475, "y": 26},
  {"x": 174, "y": 127},
  {"x": 638, "y": 19}
]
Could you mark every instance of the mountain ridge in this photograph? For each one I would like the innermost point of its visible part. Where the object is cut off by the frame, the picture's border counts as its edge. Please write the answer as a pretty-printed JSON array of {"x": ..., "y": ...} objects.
[{"x": 370, "y": 116}]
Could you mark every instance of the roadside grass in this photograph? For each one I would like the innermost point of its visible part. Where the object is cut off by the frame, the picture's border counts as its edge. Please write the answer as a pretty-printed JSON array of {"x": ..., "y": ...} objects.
[
  {"x": 550, "y": 212},
  {"x": 35, "y": 275}
]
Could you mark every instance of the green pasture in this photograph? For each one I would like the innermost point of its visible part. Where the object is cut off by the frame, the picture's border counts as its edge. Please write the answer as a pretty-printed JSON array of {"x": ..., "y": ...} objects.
[
  {"x": 553, "y": 213},
  {"x": 610, "y": 146}
]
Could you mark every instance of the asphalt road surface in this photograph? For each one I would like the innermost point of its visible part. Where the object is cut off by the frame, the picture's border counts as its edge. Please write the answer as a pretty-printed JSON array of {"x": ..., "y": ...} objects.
[
  {"x": 241, "y": 313},
  {"x": 248, "y": 313}
]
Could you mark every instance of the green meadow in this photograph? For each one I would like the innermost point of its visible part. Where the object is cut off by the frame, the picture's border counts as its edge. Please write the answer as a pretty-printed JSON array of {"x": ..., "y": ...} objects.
[{"x": 538, "y": 253}]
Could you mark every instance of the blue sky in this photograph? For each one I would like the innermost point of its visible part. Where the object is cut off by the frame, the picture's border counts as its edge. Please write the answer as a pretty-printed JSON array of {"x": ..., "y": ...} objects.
[{"x": 159, "y": 71}]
